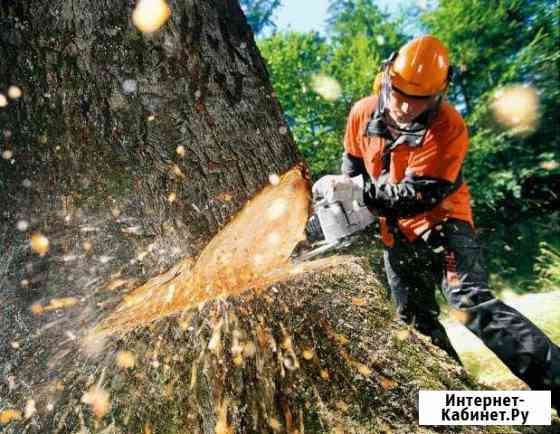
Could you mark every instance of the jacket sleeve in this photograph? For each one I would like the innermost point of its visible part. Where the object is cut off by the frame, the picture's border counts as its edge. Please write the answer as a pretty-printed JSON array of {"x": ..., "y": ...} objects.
[
  {"x": 413, "y": 195},
  {"x": 352, "y": 158},
  {"x": 352, "y": 134},
  {"x": 352, "y": 166},
  {"x": 433, "y": 173}
]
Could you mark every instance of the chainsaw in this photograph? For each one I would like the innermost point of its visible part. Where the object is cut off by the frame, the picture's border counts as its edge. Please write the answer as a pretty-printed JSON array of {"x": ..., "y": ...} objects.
[{"x": 338, "y": 214}]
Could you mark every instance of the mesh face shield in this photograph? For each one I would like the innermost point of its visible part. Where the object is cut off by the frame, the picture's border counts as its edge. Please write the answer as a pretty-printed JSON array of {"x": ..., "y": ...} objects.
[
  {"x": 404, "y": 103},
  {"x": 413, "y": 131}
]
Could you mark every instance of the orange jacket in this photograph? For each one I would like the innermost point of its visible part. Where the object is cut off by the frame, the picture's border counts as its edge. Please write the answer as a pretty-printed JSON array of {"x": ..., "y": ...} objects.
[{"x": 441, "y": 156}]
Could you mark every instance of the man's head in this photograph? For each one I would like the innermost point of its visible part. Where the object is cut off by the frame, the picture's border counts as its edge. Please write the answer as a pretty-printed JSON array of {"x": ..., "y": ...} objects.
[{"x": 415, "y": 79}]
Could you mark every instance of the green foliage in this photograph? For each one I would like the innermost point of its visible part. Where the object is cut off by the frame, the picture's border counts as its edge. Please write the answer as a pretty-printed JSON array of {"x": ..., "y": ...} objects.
[
  {"x": 294, "y": 59},
  {"x": 259, "y": 13},
  {"x": 512, "y": 42},
  {"x": 512, "y": 251},
  {"x": 548, "y": 266},
  {"x": 360, "y": 37},
  {"x": 509, "y": 42},
  {"x": 350, "y": 18}
]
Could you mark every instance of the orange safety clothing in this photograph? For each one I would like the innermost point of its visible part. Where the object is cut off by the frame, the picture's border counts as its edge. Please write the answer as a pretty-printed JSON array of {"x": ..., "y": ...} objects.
[{"x": 440, "y": 156}]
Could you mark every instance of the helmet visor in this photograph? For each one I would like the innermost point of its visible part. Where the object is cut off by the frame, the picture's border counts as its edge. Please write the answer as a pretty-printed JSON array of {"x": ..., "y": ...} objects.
[{"x": 404, "y": 108}]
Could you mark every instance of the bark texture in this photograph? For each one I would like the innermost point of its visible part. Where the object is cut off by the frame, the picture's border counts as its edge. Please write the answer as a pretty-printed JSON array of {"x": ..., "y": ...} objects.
[
  {"x": 122, "y": 146},
  {"x": 129, "y": 153},
  {"x": 105, "y": 109}
]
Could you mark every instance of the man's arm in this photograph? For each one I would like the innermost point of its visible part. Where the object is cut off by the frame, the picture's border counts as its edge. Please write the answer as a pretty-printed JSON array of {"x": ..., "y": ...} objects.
[
  {"x": 352, "y": 166},
  {"x": 352, "y": 158},
  {"x": 413, "y": 195}
]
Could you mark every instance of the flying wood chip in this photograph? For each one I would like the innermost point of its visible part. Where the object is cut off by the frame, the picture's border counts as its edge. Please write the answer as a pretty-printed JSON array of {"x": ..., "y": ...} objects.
[
  {"x": 387, "y": 383},
  {"x": 39, "y": 243},
  {"x": 224, "y": 197},
  {"x": 37, "y": 309},
  {"x": 125, "y": 359},
  {"x": 363, "y": 369},
  {"x": 99, "y": 401},
  {"x": 308, "y": 354},
  {"x": 150, "y": 15},
  {"x": 61, "y": 303},
  {"x": 517, "y": 108},
  {"x": 359, "y": 301}
]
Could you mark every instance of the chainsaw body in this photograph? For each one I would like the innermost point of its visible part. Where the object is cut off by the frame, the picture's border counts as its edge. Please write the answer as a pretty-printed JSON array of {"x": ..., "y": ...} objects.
[{"x": 338, "y": 213}]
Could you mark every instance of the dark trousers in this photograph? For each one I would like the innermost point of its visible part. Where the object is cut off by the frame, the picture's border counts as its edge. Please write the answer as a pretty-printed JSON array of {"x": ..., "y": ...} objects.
[{"x": 450, "y": 256}]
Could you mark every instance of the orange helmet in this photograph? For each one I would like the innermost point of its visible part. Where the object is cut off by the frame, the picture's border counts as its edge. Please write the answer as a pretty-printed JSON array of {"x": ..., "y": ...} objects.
[
  {"x": 421, "y": 67},
  {"x": 420, "y": 70}
]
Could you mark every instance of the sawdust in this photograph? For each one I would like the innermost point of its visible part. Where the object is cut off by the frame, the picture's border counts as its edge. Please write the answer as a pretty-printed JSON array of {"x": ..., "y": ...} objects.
[{"x": 250, "y": 252}]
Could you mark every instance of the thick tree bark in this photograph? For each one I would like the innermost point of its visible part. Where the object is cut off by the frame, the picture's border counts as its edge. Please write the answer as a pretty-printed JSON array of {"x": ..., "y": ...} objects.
[
  {"x": 105, "y": 109},
  {"x": 125, "y": 143},
  {"x": 129, "y": 153}
]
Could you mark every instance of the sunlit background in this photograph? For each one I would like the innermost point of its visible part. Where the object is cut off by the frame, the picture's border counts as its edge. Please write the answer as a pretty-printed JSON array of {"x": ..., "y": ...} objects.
[{"x": 307, "y": 16}]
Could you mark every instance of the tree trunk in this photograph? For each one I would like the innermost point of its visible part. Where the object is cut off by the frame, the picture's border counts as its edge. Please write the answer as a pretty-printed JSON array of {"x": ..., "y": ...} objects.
[
  {"x": 129, "y": 153},
  {"x": 106, "y": 111}
]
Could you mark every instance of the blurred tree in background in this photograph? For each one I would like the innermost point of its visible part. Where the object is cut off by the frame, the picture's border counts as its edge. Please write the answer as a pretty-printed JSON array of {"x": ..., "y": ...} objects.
[
  {"x": 361, "y": 38},
  {"x": 317, "y": 79},
  {"x": 513, "y": 42},
  {"x": 260, "y": 13},
  {"x": 513, "y": 173},
  {"x": 295, "y": 60}
]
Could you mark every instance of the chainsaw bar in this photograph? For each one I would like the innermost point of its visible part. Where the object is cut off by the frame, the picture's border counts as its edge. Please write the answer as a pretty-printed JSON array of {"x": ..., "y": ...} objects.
[{"x": 323, "y": 247}]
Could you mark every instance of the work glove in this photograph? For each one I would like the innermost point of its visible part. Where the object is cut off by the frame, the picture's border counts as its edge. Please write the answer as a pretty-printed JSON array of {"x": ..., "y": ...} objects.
[
  {"x": 340, "y": 188},
  {"x": 370, "y": 194}
]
